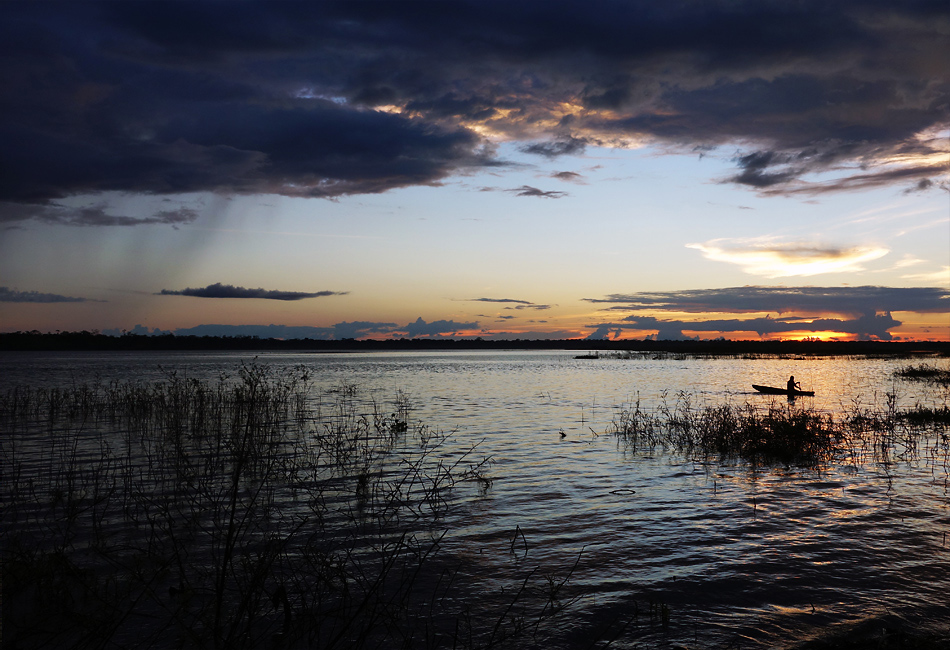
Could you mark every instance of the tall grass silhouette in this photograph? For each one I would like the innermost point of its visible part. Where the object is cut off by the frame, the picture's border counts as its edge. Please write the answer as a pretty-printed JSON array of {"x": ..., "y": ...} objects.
[
  {"x": 237, "y": 514},
  {"x": 780, "y": 433}
]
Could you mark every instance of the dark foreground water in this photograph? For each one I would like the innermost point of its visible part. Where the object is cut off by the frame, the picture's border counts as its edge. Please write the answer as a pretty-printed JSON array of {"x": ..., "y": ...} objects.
[{"x": 646, "y": 547}]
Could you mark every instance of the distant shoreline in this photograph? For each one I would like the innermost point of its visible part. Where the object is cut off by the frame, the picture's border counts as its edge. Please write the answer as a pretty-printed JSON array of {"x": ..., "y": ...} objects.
[{"x": 92, "y": 341}]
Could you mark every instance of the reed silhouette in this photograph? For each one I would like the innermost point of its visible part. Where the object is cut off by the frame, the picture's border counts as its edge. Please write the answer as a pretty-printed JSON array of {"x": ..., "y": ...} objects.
[{"x": 239, "y": 514}]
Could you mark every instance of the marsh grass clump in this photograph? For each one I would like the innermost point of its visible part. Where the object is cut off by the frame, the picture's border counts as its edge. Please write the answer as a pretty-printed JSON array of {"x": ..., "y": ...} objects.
[
  {"x": 778, "y": 434},
  {"x": 240, "y": 513},
  {"x": 925, "y": 372},
  {"x": 784, "y": 435},
  {"x": 925, "y": 415},
  {"x": 788, "y": 436}
]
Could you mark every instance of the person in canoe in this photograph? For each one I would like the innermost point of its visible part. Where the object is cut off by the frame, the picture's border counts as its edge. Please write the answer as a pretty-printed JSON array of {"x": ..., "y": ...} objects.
[{"x": 791, "y": 385}]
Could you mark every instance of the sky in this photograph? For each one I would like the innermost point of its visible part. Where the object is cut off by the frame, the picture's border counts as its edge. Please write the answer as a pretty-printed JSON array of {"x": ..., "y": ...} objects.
[{"x": 529, "y": 170}]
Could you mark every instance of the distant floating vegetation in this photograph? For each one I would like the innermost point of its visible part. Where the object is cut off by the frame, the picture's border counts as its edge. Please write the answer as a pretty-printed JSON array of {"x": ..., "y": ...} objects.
[
  {"x": 646, "y": 354},
  {"x": 925, "y": 372},
  {"x": 627, "y": 355}
]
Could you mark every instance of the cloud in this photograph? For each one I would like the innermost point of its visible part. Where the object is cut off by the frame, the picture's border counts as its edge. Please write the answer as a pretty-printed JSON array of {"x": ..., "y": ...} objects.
[
  {"x": 941, "y": 277},
  {"x": 260, "y": 331},
  {"x": 527, "y": 190},
  {"x": 330, "y": 99},
  {"x": 755, "y": 165},
  {"x": 12, "y": 295},
  {"x": 137, "y": 330},
  {"x": 360, "y": 329},
  {"x": 789, "y": 183},
  {"x": 550, "y": 335},
  {"x": 437, "y": 328},
  {"x": 864, "y": 327},
  {"x": 354, "y": 330},
  {"x": 602, "y": 332},
  {"x": 91, "y": 216},
  {"x": 339, "y": 331},
  {"x": 787, "y": 260},
  {"x": 853, "y": 301},
  {"x": 556, "y": 148},
  {"x": 501, "y": 300},
  {"x": 219, "y": 290},
  {"x": 908, "y": 261},
  {"x": 531, "y": 306},
  {"x": 925, "y": 184},
  {"x": 518, "y": 304},
  {"x": 569, "y": 177},
  {"x": 98, "y": 217}
]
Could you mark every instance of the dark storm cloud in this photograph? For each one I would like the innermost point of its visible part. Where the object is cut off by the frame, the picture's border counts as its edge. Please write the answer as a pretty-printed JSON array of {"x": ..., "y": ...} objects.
[
  {"x": 12, "y": 295},
  {"x": 315, "y": 150},
  {"x": 867, "y": 300},
  {"x": 219, "y": 290},
  {"x": 333, "y": 98},
  {"x": 755, "y": 165}
]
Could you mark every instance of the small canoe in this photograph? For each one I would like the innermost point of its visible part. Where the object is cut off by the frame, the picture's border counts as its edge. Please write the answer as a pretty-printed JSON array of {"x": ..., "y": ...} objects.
[{"x": 769, "y": 390}]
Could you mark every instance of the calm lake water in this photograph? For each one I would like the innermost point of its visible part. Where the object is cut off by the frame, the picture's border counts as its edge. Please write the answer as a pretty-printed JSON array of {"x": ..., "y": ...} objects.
[{"x": 739, "y": 556}]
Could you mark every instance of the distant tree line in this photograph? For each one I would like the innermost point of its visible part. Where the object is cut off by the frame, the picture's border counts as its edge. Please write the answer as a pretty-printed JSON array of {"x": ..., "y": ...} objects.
[{"x": 95, "y": 341}]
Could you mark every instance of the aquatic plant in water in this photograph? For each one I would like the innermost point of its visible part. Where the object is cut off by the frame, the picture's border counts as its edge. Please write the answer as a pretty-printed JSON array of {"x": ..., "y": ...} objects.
[
  {"x": 778, "y": 434},
  {"x": 925, "y": 372},
  {"x": 237, "y": 513}
]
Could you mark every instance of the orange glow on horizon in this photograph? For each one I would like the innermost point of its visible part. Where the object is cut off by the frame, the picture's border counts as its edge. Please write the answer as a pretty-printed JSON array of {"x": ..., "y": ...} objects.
[{"x": 815, "y": 336}]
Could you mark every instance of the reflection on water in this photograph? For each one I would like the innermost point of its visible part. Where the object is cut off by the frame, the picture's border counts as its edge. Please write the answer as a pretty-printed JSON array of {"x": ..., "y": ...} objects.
[{"x": 665, "y": 550}]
